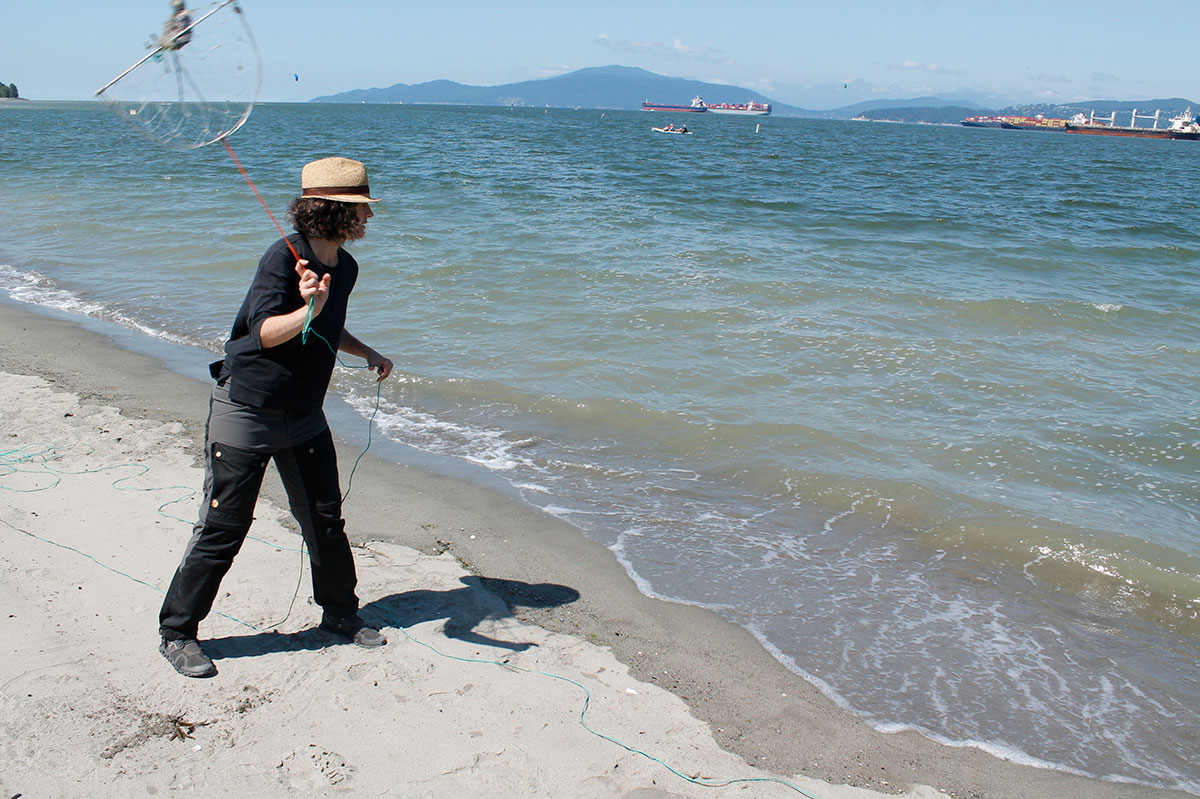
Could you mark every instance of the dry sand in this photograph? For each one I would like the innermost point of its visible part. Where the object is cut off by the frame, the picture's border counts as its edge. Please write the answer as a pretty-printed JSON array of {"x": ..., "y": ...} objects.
[{"x": 501, "y": 623}]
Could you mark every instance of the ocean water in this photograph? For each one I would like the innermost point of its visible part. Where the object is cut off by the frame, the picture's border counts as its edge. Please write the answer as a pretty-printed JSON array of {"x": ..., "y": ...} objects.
[{"x": 916, "y": 405}]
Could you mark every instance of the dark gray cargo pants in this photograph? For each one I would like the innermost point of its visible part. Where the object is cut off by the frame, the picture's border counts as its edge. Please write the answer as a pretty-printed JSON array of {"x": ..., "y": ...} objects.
[{"x": 240, "y": 440}]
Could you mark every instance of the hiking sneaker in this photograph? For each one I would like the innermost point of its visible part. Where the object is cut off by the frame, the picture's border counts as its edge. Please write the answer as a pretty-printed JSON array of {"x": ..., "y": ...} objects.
[
  {"x": 354, "y": 629},
  {"x": 187, "y": 657}
]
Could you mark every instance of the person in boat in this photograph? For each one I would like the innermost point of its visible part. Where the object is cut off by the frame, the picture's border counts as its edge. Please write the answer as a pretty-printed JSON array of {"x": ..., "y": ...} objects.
[
  {"x": 683, "y": 129},
  {"x": 267, "y": 404},
  {"x": 669, "y": 126}
]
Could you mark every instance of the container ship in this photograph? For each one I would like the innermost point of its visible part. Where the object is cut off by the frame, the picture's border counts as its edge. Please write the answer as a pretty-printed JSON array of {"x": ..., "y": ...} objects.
[
  {"x": 1016, "y": 123},
  {"x": 698, "y": 106},
  {"x": 746, "y": 109},
  {"x": 1038, "y": 122},
  {"x": 983, "y": 122}
]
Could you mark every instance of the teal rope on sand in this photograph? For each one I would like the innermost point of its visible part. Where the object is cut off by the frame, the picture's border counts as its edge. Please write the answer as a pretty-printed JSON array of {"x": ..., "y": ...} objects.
[
  {"x": 12, "y": 461},
  {"x": 24, "y": 461},
  {"x": 10, "y": 458},
  {"x": 587, "y": 696}
]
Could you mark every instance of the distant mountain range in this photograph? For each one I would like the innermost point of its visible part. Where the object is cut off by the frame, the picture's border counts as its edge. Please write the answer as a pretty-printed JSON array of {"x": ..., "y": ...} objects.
[
  {"x": 617, "y": 87},
  {"x": 595, "y": 87}
]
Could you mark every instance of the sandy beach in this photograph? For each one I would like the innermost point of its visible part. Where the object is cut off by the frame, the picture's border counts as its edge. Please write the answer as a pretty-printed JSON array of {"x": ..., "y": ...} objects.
[{"x": 522, "y": 661}]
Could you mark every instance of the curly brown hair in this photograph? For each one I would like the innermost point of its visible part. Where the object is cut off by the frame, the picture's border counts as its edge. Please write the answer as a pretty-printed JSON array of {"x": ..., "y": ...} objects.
[{"x": 314, "y": 217}]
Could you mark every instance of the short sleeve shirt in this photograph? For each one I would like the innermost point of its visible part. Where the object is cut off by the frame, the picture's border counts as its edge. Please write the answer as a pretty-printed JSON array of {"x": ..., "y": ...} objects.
[{"x": 294, "y": 375}]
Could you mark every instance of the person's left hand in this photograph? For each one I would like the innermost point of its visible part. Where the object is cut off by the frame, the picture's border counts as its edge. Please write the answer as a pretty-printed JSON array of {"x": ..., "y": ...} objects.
[
  {"x": 380, "y": 364},
  {"x": 314, "y": 288}
]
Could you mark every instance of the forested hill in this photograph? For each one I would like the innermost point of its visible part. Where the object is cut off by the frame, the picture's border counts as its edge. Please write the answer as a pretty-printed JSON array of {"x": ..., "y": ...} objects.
[
  {"x": 593, "y": 87},
  {"x": 8, "y": 91}
]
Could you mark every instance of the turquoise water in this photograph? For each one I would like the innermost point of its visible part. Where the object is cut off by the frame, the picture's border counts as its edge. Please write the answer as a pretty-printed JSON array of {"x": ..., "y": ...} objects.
[{"x": 916, "y": 405}]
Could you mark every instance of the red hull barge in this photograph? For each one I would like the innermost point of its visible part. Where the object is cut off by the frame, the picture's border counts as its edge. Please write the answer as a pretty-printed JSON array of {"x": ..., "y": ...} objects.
[
  {"x": 1184, "y": 126},
  {"x": 1140, "y": 133}
]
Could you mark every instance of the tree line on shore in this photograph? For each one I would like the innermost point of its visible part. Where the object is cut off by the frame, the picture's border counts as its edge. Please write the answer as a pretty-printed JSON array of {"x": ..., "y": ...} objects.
[{"x": 8, "y": 91}]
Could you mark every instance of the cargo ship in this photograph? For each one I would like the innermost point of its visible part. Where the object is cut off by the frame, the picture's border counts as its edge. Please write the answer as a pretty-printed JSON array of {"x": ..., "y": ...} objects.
[
  {"x": 1038, "y": 122},
  {"x": 698, "y": 106},
  {"x": 747, "y": 109},
  {"x": 1185, "y": 126},
  {"x": 983, "y": 122}
]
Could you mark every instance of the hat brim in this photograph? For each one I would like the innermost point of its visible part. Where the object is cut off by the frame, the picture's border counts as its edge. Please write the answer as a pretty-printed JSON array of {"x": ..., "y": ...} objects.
[{"x": 343, "y": 198}]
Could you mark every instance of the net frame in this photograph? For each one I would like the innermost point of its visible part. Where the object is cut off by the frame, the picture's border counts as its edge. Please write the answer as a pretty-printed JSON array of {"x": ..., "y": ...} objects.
[{"x": 188, "y": 119}]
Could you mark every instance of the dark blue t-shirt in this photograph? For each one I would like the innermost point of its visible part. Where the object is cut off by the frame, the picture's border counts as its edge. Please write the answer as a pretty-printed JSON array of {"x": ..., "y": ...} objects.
[{"x": 293, "y": 376}]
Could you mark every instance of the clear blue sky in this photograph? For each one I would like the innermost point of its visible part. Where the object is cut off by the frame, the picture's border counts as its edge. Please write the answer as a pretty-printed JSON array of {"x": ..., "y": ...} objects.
[{"x": 1020, "y": 50}]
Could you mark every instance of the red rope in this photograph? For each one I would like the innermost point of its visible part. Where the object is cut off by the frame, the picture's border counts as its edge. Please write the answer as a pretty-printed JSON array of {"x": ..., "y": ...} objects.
[{"x": 254, "y": 188}]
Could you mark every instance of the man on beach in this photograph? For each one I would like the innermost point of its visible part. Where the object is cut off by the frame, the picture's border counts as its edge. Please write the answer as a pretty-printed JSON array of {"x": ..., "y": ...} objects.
[{"x": 267, "y": 403}]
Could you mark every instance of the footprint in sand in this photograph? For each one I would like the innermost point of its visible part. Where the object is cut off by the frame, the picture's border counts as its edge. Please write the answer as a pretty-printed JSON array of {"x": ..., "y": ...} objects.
[{"x": 307, "y": 770}]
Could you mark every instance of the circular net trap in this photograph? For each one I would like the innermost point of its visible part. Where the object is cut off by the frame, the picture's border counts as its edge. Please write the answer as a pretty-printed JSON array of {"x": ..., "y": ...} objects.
[{"x": 198, "y": 80}]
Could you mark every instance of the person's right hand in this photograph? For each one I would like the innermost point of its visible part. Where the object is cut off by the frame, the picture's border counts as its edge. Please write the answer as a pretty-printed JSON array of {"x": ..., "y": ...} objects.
[{"x": 312, "y": 287}]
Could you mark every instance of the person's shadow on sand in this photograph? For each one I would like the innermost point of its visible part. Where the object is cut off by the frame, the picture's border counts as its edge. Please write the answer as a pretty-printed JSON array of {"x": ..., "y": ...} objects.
[{"x": 480, "y": 599}]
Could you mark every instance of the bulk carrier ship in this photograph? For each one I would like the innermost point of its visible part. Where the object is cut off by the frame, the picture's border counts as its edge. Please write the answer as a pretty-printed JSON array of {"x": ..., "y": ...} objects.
[
  {"x": 698, "y": 106},
  {"x": 1185, "y": 126}
]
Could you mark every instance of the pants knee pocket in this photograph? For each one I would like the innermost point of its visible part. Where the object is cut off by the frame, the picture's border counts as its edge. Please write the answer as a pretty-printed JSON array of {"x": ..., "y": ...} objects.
[
  {"x": 327, "y": 519},
  {"x": 237, "y": 476}
]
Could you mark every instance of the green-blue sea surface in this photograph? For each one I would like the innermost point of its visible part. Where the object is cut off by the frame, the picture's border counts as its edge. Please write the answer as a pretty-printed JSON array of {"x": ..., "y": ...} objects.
[{"x": 916, "y": 405}]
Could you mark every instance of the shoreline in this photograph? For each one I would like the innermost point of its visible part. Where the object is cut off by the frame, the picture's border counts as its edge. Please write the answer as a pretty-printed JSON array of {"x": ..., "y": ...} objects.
[{"x": 752, "y": 704}]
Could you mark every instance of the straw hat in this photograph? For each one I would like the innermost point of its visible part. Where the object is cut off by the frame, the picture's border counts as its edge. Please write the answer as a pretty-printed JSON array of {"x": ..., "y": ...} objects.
[{"x": 341, "y": 179}]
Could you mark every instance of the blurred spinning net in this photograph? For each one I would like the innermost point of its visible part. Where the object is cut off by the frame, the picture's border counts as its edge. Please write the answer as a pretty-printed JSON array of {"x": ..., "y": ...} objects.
[{"x": 197, "y": 82}]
